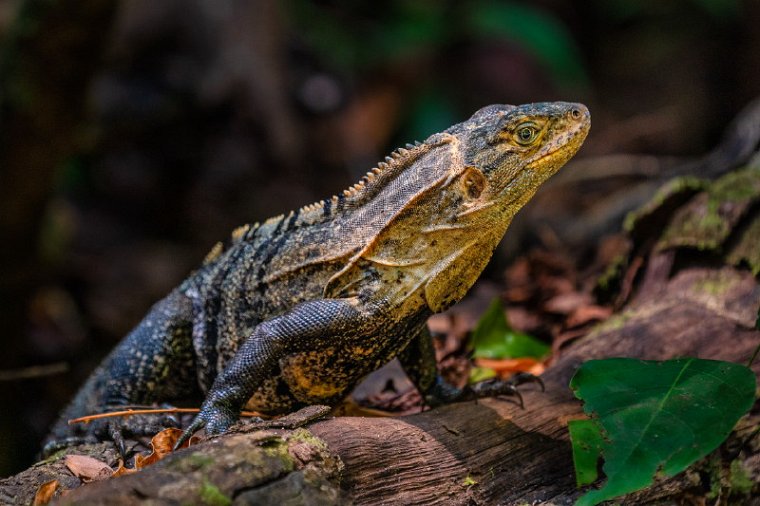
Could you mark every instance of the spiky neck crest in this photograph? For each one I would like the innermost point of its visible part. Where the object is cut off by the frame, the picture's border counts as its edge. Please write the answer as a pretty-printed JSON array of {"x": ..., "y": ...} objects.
[
  {"x": 371, "y": 183},
  {"x": 364, "y": 190}
]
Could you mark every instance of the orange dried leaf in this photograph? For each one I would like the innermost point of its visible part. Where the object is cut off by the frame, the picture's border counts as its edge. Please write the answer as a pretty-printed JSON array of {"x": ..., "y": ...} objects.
[
  {"x": 142, "y": 461},
  {"x": 162, "y": 444},
  {"x": 131, "y": 412},
  {"x": 509, "y": 366},
  {"x": 88, "y": 468},
  {"x": 121, "y": 470},
  {"x": 45, "y": 493}
]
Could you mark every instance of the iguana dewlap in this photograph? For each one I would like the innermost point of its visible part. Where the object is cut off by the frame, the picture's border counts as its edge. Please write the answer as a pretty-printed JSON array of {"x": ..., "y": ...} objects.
[{"x": 297, "y": 310}]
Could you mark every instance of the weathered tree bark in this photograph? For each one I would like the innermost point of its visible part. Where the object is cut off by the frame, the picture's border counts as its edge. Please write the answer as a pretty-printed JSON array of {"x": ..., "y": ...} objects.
[{"x": 513, "y": 455}]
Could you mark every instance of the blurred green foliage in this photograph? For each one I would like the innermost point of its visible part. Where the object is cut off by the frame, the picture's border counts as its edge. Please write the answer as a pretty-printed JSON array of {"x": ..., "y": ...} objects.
[
  {"x": 536, "y": 31},
  {"x": 493, "y": 337},
  {"x": 430, "y": 111},
  {"x": 352, "y": 36}
]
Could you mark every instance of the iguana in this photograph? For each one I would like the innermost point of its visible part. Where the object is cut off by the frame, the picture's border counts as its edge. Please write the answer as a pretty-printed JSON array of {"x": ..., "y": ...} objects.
[{"x": 297, "y": 310}]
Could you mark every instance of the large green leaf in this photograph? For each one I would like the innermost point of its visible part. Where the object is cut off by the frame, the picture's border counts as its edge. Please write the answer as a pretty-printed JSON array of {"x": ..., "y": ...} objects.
[
  {"x": 658, "y": 417},
  {"x": 588, "y": 443},
  {"x": 494, "y": 338}
]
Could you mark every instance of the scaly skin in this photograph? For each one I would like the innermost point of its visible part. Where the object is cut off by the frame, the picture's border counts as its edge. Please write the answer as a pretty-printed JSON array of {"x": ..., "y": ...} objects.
[{"x": 297, "y": 310}]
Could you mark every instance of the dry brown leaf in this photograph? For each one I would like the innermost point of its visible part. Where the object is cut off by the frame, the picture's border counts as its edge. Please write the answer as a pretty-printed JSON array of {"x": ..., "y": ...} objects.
[
  {"x": 45, "y": 493},
  {"x": 522, "y": 319},
  {"x": 565, "y": 338},
  {"x": 162, "y": 444},
  {"x": 122, "y": 470},
  {"x": 88, "y": 468},
  {"x": 626, "y": 285}
]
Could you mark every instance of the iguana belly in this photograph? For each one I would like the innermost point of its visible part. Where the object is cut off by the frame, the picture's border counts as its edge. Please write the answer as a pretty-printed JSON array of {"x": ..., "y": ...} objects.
[{"x": 316, "y": 377}]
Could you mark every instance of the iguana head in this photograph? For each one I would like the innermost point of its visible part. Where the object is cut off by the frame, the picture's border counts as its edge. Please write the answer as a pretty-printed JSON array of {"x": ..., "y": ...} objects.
[
  {"x": 509, "y": 151},
  {"x": 501, "y": 155},
  {"x": 430, "y": 218}
]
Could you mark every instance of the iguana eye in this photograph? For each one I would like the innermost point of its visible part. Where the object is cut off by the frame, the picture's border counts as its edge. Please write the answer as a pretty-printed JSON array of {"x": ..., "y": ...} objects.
[{"x": 526, "y": 134}]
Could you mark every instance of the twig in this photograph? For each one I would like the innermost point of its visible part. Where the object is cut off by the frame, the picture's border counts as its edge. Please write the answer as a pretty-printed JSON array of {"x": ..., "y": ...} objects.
[{"x": 130, "y": 412}]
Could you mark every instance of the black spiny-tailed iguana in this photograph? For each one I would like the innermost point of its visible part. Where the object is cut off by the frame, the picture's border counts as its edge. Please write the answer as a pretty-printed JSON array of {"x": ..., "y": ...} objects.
[{"x": 297, "y": 310}]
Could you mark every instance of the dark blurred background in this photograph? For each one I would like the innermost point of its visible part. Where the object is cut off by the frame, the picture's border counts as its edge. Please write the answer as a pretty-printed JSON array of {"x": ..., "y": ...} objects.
[{"x": 135, "y": 134}]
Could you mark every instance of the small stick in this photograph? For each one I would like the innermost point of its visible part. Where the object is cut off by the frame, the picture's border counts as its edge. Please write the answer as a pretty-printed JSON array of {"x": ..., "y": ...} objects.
[{"x": 130, "y": 412}]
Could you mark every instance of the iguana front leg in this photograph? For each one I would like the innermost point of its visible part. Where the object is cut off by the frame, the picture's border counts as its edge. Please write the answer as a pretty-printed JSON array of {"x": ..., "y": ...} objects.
[
  {"x": 418, "y": 361},
  {"x": 299, "y": 329}
]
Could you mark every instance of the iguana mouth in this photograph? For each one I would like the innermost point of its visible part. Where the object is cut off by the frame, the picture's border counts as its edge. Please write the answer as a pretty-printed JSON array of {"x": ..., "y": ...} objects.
[
  {"x": 566, "y": 150},
  {"x": 551, "y": 156}
]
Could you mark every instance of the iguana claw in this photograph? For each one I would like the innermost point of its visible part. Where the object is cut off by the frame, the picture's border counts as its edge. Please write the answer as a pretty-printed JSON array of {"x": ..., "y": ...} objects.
[
  {"x": 216, "y": 419},
  {"x": 114, "y": 431},
  {"x": 197, "y": 425},
  {"x": 495, "y": 387},
  {"x": 525, "y": 377}
]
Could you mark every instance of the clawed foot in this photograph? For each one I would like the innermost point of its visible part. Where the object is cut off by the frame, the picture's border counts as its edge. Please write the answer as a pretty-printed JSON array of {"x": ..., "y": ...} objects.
[
  {"x": 216, "y": 418},
  {"x": 496, "y": 387},
  {"x": 443, "y": 393}
]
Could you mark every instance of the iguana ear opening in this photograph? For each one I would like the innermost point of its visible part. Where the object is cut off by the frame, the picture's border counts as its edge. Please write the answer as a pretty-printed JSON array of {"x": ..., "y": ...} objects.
[{"x": 474, "y": 182}]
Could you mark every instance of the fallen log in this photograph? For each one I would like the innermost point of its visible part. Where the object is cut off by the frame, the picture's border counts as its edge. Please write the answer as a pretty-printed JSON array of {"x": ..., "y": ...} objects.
[{"x": 469, "y": 453}]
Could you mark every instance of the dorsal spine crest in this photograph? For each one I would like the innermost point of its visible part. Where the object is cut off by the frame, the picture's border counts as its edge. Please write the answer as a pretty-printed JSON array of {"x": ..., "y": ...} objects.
[
  {"x": 314, "y": 212},
  {"x": 216, "y": 252}
]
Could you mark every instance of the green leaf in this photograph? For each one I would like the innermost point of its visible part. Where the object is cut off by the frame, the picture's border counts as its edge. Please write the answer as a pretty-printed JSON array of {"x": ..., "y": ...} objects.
[
  {"x": 494, "y": 338},
  {"x": 587, "y": 441},
  {"x": 478, "y": 374},
  {"x": 659, "y": 417}
]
